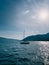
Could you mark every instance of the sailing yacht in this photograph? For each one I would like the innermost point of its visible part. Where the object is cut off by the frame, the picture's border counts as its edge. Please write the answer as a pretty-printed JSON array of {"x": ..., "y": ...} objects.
[{"x": 24, "y": 42}]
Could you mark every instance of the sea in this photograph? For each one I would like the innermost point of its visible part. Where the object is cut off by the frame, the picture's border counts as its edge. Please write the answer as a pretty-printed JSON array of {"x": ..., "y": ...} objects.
[{"x": 34, "y": 53}]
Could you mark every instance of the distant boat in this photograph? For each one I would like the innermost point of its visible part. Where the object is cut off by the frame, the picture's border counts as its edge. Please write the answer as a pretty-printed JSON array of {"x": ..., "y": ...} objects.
[{"x": 24, "y": 42}]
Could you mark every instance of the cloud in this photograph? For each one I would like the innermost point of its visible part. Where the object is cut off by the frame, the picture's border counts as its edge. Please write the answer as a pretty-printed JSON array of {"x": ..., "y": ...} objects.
[
  {"x": 26, "y": 12},
  {"x": 34, "y": 17}
]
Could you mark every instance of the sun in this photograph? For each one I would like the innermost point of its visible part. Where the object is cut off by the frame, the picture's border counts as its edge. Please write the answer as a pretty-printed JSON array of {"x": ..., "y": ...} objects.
[{"x": 43, "y": 15}]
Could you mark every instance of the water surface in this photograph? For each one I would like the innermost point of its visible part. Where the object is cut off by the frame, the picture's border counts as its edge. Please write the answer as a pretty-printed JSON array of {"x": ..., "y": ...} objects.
[{"x": 35, "y": 53}]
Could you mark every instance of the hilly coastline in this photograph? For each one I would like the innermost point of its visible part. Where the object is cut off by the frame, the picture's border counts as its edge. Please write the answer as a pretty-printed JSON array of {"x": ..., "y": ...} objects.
[
  {"x": 39, "y": 37},
  {"x": 7, "y": 40}
]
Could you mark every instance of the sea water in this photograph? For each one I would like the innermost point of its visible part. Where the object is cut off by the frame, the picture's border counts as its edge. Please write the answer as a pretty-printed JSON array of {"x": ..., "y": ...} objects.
[{"x": 35, "y": 53}]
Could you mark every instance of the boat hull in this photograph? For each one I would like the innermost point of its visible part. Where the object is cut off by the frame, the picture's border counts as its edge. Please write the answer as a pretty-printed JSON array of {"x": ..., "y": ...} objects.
[{"x": 24, "y": 42}]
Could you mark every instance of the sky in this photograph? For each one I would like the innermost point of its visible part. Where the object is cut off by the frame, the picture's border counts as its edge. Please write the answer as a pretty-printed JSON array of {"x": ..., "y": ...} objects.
[{"x": 19, "y": 15}]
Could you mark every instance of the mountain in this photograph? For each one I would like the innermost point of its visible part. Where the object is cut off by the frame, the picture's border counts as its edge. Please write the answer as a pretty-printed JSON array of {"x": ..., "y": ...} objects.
[
  {"x": 40, "y": 37},
  {"x": 6, "y": 40}
]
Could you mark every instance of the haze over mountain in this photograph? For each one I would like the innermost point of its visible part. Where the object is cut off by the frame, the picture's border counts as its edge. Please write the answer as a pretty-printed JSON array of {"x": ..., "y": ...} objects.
[{"x": 7, "y": 40}]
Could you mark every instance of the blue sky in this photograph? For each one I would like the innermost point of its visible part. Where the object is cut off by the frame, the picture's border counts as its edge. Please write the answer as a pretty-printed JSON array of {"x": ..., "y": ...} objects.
[{"x": 19, "y": 15}]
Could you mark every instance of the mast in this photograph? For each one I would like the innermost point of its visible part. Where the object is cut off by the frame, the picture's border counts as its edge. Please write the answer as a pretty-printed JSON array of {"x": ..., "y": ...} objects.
[{"x": 24, "y": 34}]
